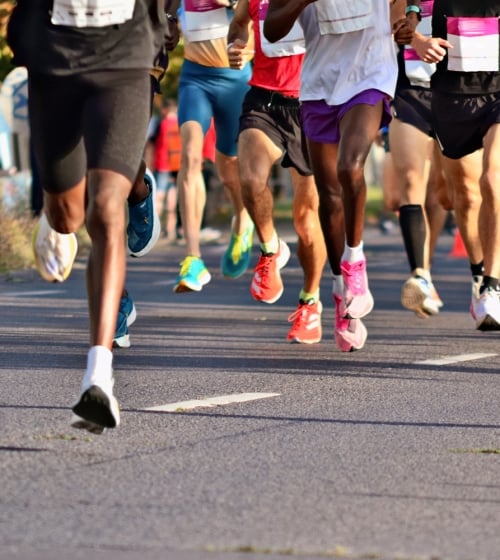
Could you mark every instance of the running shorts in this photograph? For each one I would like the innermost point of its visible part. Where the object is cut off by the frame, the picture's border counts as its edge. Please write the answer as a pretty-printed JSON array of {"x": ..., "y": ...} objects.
[
  {"x": 413, "y": 106},
  {"x": 278, "y": 117},
  {"x": 102, "y": 115},
  {"x": 206, "y": 92},
  {"x": 321, "y": 122},
  {"x": 462, "y": 121}
]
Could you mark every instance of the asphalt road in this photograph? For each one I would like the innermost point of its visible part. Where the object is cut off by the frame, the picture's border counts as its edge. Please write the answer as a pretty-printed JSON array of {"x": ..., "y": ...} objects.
[{"x": 391, "y": 452}]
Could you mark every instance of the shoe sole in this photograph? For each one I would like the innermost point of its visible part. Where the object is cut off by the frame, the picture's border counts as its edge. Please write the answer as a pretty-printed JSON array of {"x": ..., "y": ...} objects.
[
  {"x": 155, "y": 234},
  {"x": 487, "y": 323},
  {"x": 297, "y": 340},
  {"x": 96, "y": 407},
  {"x": 414, "y": 299},
  {"x": 353, "y": 312},
  {"x": 183, "y": 286},
  {"x": 344, "y": 344}
]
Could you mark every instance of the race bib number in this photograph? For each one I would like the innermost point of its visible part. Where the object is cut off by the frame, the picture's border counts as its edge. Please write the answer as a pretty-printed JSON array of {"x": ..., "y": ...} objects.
[
  {"x": 204, "y": 20},
  {"x": 475, "y": 44},
  {"x": 91, "y": 13},
  {"x": 343, "y": 17},
  {"x": 290, "y": 44},
  {"x": 419, "y": 72}
]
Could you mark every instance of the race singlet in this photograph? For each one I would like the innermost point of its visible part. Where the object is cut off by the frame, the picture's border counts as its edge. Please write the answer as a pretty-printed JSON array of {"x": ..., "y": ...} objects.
[
  {"x": 419, "y": 72},
  {"x": 204, "y": 20},
  {"x": 91, "y": 13},
  {"x": 290, "y": 44},
  {"x": 343, "y": 17},
  {"x": 475, "y": 43}
]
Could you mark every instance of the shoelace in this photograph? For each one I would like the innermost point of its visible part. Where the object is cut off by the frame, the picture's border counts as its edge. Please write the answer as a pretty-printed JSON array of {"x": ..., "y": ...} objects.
[
  {"x": 356, "y": 276},
  {"x": 238, "y": 247},
  {"x": 263, "y": 266},
  {"x": 186, "y": 264}
]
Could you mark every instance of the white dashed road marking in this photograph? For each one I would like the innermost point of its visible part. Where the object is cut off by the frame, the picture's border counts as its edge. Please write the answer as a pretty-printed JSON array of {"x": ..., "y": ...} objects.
[
  {"x": 455, "y": 359},
  {"x": 211, "y": 401}
]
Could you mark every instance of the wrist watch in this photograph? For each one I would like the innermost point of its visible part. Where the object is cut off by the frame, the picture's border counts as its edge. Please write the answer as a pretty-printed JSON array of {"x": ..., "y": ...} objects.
[{"x": 416, "y": 9}]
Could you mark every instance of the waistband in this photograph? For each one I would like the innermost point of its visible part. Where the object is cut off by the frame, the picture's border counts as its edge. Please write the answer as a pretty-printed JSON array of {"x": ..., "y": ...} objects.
[{"x": 270, "y": 97}]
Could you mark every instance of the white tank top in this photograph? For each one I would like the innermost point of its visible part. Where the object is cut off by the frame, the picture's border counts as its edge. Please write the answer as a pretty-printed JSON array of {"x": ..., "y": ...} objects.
[{"x": 344, "y": 60}]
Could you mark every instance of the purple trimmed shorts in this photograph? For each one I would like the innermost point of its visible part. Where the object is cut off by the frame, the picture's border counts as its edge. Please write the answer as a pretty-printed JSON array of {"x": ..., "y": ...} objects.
[{"x": 321, "y": 121}]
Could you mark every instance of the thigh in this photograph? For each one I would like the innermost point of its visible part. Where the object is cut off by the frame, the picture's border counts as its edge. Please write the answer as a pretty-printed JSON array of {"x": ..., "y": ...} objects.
[
  {"x": 227, "y": 99},
  {"x": 116, "y": 120},
  {"x": 56, "y": 109}
]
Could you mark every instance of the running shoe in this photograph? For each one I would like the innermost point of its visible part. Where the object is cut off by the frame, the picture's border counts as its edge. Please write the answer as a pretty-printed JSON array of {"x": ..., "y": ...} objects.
[
  {"x": 487, "y": 310},
  {"x": 350, "y": 334},
  {"x": 193, "y": 275},
  {"x": 435, "y": 295},
  {"x": 144, "y": 226},
  {"x": 358, "y": 300},
  {"x": 306, "y": 319},
  {"x": 54, "y": 252},
  {"x": 475, "y": 287},
  {"x": 267, "y": 285},
  {"x": 236, "y": 257},
  {"x": 96, "y": 407},
  {"x": 416, "y": 295},
  {"x": 126, "y": 316}
]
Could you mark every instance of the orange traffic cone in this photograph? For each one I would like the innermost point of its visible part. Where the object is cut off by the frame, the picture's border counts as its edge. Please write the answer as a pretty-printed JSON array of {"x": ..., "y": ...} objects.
[{"x": 458, "y": 250}]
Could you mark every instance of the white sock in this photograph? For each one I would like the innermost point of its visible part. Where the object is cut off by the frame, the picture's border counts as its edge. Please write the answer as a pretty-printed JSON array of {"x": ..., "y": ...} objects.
[
  {"x": 99, "y": 368},
  {"x": 338, "y": 285},
  {"x": 353, "y": 254},
  {"x": 271, "y": 246}
]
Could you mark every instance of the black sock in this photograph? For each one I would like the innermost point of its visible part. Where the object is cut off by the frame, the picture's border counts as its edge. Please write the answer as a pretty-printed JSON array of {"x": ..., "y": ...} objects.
[
  {"x": 477, "y": 269},
  {"x": 413, "y": 230}
]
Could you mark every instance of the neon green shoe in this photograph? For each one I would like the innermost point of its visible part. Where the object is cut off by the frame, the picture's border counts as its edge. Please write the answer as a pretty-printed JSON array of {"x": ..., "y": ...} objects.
[
  {"x": 193, "y": 275},
  {"x": 236, "y": 258}
]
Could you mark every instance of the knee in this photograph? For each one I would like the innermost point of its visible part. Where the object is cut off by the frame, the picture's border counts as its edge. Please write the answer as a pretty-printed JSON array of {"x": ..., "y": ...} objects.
[
  {"x": 105, "y": 216},
  {"x": 490, "y": 188},
  {"x": 351, "y": 175},
  {"x": 307, "y": 225}
]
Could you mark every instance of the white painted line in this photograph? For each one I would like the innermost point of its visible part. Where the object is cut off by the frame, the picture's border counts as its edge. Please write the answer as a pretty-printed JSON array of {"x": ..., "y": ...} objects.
[
  {"x": 455, "y": 359},
  {"x": 211, "y": 401},
  {"x": 37, "y": 293}
]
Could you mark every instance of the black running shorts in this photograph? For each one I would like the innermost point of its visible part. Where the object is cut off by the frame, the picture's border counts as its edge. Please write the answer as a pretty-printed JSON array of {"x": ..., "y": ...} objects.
[
  {"x": 413, "y": 106},
  {"x": 462, "y": 121},
  {"x": 279, "y": 118},
  {"x": 102, "y": 116}
]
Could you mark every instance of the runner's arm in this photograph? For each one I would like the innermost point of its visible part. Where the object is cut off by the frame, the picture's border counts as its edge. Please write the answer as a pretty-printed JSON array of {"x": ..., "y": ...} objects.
[{"x": 281, "y": 15}]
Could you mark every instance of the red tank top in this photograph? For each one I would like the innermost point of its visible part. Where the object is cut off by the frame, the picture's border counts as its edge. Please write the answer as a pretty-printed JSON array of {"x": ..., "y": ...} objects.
[{"x": 280, "y": 73}]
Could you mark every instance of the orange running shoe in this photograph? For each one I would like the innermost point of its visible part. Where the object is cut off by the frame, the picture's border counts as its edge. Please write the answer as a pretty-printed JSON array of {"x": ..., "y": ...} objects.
[
  {"x": 267, "y": 285},
  {"x": 306, "y": 319}
]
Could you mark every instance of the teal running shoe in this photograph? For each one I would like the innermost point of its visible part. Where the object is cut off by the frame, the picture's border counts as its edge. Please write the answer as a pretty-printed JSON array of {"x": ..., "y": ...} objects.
[
  {"x": 144, "y": 226},
  {"x": 193, "y": 275},
  {"x": 126, "y": 316},
  {"x": 236, "y": 258}
]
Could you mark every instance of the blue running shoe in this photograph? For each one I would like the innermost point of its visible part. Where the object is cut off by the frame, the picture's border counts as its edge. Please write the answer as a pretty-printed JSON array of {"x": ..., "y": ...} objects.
[
  {"x": 236, "y": 258},
  {"x": 144, "y": 226},
  {"x": 126, "y": 316},
  {"x": 193, "y": 275}
]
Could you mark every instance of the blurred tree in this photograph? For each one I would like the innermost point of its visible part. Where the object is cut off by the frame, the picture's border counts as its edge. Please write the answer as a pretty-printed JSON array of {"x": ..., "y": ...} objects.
[{"x": 5, "y": 53}]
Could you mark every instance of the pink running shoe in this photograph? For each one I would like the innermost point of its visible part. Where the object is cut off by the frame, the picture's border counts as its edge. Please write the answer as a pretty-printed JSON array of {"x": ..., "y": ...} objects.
[
  {"x": 350, "y": 334},
  {"x": 358, "y": 300}
]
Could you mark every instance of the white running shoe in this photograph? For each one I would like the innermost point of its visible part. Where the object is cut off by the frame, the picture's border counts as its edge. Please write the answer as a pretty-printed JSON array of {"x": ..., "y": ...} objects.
[
  {"x": 96, "y": 407},
  {"x": 486, "y": 310},
  {"x": 54, "y": 252},
  {"x": 416, "y": 295}
]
